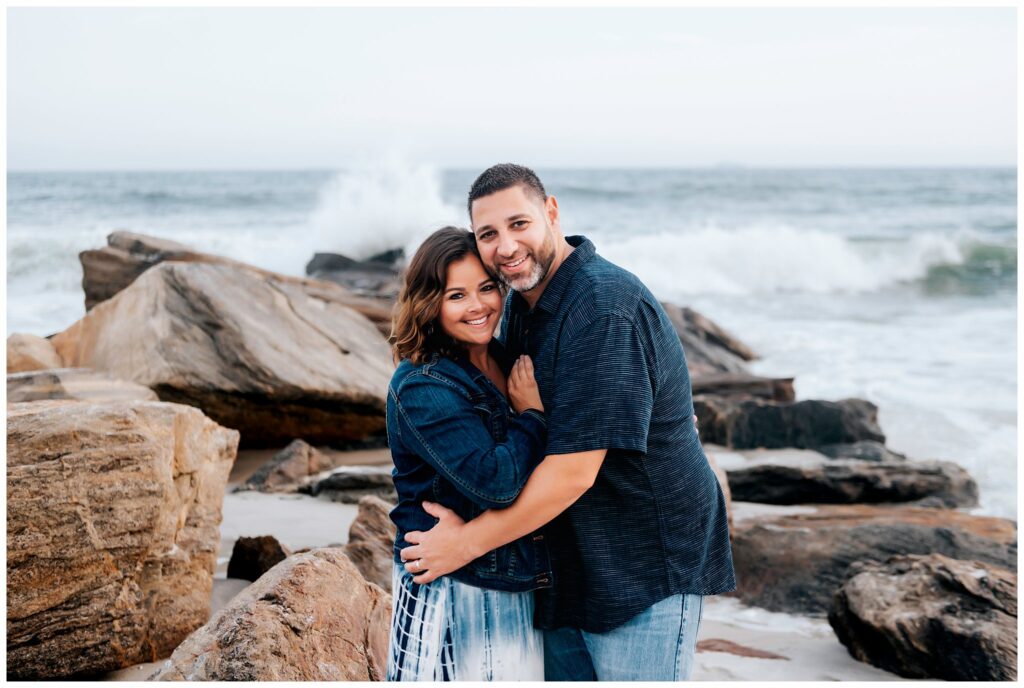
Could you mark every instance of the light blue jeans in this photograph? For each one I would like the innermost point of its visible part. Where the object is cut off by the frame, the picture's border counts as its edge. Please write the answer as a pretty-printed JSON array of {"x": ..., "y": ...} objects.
[{"x": 656, "y": 645}]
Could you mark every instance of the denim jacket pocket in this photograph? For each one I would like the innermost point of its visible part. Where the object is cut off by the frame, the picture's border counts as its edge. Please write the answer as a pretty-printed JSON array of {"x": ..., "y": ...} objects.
[{"x": 493, "y": 415}]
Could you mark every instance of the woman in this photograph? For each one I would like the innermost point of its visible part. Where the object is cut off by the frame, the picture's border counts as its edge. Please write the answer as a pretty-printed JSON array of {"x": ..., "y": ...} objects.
[{"x": 454, "y": 440}]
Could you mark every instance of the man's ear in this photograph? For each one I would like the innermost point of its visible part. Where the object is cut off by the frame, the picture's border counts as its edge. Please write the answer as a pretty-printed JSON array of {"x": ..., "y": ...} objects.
[{"x": 551, "y": 209}]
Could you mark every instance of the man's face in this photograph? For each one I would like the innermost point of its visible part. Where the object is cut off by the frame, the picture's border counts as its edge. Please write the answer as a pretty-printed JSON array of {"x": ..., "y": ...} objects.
[{"x": 515, "y": 234}]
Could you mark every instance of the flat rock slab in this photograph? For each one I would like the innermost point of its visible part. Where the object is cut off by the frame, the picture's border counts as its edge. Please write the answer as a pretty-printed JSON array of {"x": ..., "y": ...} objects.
[
  {"x": 349, "y": 484},
  {"x": 276, "y": 360},
  {"x": 930, "y": 617},
  {"x": 113, "y": 514},
  {"x": 794, "y": 558},
  {"x": 802, "y": 476},
  {"x": 310, "y": 618},
  {"x": 80, "y": 384},
  {"x": 748, "y": 423}
]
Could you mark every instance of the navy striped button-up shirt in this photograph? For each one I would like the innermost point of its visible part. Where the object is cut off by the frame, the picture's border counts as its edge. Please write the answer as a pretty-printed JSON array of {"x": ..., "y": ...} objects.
[{"x": 612, "y": 375}]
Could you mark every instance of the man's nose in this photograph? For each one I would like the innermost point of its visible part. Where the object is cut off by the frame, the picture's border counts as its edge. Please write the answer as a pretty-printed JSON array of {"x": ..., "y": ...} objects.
[{"x": 506, "y": 246}]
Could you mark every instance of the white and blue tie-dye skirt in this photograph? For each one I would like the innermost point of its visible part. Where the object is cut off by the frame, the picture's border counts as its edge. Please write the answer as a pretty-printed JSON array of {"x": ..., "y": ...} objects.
[{"x": 450, "y": 631}]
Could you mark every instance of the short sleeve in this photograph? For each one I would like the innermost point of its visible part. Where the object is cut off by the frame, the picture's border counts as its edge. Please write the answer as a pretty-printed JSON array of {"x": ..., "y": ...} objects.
[{"x": 602, "y": 396}]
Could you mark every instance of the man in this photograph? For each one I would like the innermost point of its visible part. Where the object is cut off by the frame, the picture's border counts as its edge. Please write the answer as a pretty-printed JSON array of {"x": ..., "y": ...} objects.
[{"x": 636, "y": 521}]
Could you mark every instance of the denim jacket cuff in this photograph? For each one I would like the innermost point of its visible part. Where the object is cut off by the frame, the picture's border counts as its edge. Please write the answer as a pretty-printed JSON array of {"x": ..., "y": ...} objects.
[{"x": 534, "y": 413}]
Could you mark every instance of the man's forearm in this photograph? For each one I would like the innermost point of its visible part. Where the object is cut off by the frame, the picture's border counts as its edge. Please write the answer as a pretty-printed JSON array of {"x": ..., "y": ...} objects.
[{"x": 552, "y": 488}]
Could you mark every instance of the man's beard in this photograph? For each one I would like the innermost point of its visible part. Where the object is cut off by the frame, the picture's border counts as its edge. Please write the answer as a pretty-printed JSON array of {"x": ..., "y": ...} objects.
[{"x": 537, "y": 273}]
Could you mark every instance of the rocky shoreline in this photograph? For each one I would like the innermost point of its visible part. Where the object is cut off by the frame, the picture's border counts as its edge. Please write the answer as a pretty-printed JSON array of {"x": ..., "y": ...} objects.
[{"x": 123, "y": 430}]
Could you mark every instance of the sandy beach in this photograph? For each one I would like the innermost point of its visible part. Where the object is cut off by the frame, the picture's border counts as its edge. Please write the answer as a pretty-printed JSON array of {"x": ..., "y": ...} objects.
[{"x": 760, "y": 645}]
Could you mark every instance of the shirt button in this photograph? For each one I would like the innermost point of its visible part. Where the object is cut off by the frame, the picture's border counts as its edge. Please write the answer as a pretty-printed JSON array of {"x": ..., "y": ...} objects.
[{"x": 538, "y": 537}]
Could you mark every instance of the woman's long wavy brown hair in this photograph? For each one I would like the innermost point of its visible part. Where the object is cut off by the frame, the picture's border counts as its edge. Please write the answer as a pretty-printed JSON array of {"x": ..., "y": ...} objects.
[{"x": 416, "y": 333}]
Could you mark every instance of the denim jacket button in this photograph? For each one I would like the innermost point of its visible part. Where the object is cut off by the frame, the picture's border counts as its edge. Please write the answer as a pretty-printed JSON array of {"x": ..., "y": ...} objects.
[{"x": 538, "y": 538}]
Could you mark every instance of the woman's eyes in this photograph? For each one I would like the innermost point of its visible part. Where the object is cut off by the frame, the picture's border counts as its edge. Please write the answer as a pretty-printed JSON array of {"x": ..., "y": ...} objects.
[
  {"x": 455, "y": 296},
  {"x": 489, "y": 287}
]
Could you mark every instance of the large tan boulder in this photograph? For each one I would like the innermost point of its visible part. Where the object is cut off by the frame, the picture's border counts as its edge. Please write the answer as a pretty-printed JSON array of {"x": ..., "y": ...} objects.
[
  {"x": 28, "y": 352},
  {"x": 371, "y": 541},
  {"x": 273, "y": 359},
  {"x": 80, "y": 384},
  {"x": 310, "y": 618},
  {"x": 113, "y": 528},
  {"x": 792, "y": 559},
  {"x": 111, "y": 268},
  {"x": 930, "y": 617}
]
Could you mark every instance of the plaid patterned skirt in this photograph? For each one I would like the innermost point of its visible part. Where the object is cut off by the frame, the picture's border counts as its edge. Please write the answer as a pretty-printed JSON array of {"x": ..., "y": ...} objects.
[{"x": 450, "y": 631}]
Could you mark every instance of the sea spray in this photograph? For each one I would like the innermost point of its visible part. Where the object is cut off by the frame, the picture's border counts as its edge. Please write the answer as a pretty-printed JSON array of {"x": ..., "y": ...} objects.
[{"x": 392, "y": 204}]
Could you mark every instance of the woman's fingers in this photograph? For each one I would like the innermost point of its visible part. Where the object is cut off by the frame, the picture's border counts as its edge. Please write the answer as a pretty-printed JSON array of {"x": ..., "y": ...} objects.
[{"x": 527, "y": 366}]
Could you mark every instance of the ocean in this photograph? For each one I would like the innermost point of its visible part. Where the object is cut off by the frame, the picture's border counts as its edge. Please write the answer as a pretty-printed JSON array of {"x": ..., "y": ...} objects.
[{"x": 894, "y": 285}]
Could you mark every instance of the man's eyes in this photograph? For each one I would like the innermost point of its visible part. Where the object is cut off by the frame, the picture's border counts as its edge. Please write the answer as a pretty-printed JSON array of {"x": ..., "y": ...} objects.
[
  {"x": 518, "y": 224},
  {"x": 485, "y": 236}
]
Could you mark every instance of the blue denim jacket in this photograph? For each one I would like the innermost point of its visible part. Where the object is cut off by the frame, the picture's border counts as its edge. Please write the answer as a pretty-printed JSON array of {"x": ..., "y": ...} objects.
[{"x": 455, "y": 441}]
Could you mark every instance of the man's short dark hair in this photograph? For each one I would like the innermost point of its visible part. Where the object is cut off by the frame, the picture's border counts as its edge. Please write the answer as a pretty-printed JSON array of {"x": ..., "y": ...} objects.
[{"x": 505, "y": 176}]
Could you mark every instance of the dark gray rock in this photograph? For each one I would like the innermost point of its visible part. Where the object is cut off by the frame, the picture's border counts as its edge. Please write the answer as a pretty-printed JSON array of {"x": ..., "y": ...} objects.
[
  {"x": 776, "y": 480},
  {"x": 251, "y": 557},
  {"x": 794, "y": 562},
  {"x": 930, "y": 617},
  {"x": 751, "y": 423},
  {"x": 376, "y": 278},
  {"x": 349, "y": 484}
]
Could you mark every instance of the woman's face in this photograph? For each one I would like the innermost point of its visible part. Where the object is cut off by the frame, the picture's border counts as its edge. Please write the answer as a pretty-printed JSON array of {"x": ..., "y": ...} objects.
[{"x": 471, "y": 304}]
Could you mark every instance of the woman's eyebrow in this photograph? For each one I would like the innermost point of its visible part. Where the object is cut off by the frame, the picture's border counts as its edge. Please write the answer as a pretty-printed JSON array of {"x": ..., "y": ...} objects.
[{"x": 455, "y": 289}]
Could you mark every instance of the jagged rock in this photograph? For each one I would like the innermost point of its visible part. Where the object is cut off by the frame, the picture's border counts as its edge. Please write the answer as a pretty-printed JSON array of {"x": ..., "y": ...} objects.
[
  {"x": 376, "y": 277},
  {"x": 930, "y": 617},
  {"x": 709, "y": 348},
  {"x": 310, "y": 618},
  {"x": 744, "y": 386},
  {"x": 751, "y": 423},
  {"x": 80, "y": 384},
  {"x": 779, "y": 476},
  {"x": 251, "y": 557},
  {"x": 272, "y": 359},
  {"x": 371, "y": 541},
  {"x": 349, "y": 484},
  {"x": 289, "y": 468},
  {"x": 113, "y": 515},
  {"x": 865, "y": 450},
  {"x": 794, "y": 562},
  {"x": 27, "y": 352},
  {"x": 108, "y": 270}
]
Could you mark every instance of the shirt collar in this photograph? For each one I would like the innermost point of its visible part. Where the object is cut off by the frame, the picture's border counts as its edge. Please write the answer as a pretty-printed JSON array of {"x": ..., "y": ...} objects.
[{"x": 549, "y": 301}]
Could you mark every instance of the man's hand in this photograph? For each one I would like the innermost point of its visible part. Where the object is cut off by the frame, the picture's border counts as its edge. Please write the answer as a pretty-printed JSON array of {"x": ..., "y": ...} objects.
[{"x": 440, "y": 550}]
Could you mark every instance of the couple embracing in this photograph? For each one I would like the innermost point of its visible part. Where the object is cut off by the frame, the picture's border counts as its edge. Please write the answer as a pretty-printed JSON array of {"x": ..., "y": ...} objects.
[{"x": 557, "y": 517}]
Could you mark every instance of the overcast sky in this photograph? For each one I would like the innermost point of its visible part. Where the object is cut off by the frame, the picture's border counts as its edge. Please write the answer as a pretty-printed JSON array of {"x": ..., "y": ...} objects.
[{"x": 318, "y": 88}]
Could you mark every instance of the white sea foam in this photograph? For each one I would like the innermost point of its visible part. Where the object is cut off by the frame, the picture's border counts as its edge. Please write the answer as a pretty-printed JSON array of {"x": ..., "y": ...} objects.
[{"x": 763, "y": 259}]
